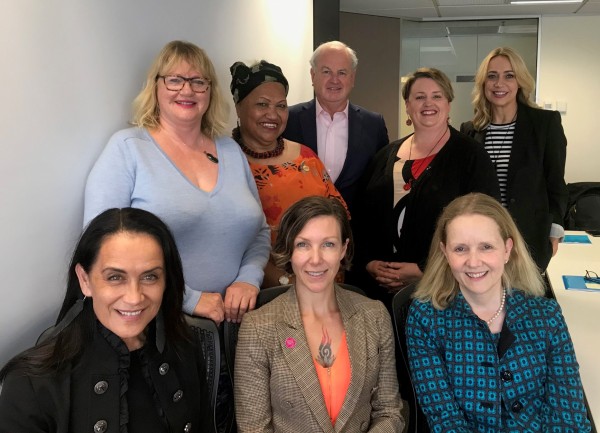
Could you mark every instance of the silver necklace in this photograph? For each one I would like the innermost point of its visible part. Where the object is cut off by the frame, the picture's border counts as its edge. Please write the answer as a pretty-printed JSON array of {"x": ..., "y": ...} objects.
[{"x": 499, "y": 311}]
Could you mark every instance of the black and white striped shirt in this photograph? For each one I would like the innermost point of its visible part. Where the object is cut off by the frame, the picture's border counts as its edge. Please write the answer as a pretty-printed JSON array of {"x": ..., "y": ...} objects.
[{"x": 498, "y": 144}]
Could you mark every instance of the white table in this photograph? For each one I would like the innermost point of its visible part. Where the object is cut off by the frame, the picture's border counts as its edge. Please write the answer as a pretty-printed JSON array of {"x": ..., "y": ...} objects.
[{"x": 581, "y": 311}]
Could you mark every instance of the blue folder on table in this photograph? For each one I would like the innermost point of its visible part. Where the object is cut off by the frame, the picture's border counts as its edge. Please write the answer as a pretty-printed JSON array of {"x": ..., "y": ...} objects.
[
  {"x": 576, "y": 282},
  {"x": 576, "y": 239}
]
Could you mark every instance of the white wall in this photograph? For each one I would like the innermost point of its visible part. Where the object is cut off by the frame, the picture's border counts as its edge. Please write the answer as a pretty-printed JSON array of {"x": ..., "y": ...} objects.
[
  {"x": 569, "y": 65},
  {"x": 70, "y": 70}
]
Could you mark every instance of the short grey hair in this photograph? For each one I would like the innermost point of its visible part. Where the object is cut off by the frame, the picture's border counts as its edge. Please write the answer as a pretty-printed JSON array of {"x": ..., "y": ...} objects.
[{"x": 335, "y": 45}]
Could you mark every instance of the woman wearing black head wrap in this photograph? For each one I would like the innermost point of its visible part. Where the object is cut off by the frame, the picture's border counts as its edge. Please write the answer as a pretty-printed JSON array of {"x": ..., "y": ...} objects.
[{"x": 284, "y": 171}]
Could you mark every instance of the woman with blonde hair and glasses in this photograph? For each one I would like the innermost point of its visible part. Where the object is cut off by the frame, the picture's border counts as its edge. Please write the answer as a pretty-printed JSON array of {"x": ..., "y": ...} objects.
[
  {"x": 487, "y": 351},
  {"x": 175, "y": 164},
  {"x": 527, "y": 146}
]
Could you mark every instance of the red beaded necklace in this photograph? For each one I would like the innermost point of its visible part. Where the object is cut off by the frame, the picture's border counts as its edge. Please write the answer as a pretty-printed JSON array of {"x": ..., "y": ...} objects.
[{"x": 237, "y": 136}]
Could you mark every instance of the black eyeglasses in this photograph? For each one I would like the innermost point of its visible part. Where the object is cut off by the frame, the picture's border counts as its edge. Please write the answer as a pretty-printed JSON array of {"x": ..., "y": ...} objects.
[
  {"x": 176, "y": 83},
  {"x": 592, "y": 277}
]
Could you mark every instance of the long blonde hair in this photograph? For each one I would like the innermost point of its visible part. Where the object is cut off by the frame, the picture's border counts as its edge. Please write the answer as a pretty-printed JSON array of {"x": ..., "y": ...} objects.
[
  {"x": 483, "y": 107},
  {"x": 439, "y": 286},
  {"x": 146, "y": 111}
]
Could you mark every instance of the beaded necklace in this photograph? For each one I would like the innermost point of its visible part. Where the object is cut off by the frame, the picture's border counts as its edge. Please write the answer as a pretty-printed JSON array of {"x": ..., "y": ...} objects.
[
  {"x": 499, "y": 311},
  {"x": 237, "y": 136}
]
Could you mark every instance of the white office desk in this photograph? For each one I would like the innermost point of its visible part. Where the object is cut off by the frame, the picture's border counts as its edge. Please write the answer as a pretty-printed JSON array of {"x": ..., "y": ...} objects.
[{"x": 581, "y": 311}]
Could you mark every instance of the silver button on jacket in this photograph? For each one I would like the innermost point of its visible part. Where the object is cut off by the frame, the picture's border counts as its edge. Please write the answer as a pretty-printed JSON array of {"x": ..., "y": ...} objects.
[
  {"x": 101, "y": 387},
  {"x": 100, "y": 426},
  {"x": 163, "y": 369},
  {"x": 177, "y": 396}
]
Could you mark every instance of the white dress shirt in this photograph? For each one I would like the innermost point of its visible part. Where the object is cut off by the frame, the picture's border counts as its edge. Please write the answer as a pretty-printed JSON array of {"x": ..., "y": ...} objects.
[{"x": 332, "y": 139}]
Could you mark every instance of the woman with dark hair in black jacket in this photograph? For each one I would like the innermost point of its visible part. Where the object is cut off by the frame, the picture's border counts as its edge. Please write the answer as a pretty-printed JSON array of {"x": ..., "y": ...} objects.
[{"x": 120, "y": 358}]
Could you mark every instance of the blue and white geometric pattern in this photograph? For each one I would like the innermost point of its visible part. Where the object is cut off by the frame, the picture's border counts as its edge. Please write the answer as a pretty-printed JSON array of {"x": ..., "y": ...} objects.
[{"x": 470, "y": 380}]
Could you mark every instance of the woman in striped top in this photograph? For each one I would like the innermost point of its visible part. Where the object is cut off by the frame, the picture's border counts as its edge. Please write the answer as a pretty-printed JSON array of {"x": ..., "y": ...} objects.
[{"x": 527, "y": 146}]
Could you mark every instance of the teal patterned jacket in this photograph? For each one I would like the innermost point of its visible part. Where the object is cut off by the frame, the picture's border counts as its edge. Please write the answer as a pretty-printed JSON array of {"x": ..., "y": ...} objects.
[{"x": 525, "y": 379}]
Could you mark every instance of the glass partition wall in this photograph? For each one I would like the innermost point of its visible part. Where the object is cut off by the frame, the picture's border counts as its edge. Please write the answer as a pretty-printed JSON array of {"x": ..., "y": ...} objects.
[{"x": 457, "y": 48}]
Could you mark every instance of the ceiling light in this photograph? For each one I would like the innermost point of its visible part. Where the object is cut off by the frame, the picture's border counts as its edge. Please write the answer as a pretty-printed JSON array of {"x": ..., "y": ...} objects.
[
  {"x": 542, "y": 2},
  {"x": 518, "y": 29}
]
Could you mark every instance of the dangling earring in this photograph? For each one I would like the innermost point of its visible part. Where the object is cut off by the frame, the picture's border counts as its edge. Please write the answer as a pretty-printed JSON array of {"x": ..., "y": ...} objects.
[
  {"x": 238, "y": 122},
  {"x": 408, "y": 122}
]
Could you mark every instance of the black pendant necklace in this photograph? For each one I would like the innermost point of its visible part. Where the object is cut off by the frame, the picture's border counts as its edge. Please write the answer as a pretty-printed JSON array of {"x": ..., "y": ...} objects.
[
  {"x": 411, "y": 175},
  {"x": 212, "y": 158}
]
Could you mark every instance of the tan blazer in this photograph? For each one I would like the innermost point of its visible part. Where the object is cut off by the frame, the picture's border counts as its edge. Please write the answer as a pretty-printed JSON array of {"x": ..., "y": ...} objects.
[{"x": 276, "y": 385}]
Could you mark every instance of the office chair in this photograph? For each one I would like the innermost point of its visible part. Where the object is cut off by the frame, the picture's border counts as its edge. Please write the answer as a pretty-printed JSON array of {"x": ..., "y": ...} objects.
[
  {"x": 400, "y": 305},
  {"x": 208, "y": 335},
  {"x": 230, "y": 330},
  {"x": 351, "y": 288}
]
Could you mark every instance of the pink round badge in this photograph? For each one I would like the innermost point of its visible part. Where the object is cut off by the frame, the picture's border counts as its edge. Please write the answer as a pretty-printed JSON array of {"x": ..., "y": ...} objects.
[{"x": 290, "y": 343}]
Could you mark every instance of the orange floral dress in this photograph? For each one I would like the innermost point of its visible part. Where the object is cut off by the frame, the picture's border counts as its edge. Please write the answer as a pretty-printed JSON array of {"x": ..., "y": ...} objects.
[{"x": 282, "y": 185}]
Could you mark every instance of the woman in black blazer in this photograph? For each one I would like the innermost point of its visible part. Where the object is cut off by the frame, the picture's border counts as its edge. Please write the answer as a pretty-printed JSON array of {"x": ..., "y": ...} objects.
[
  {"x": 527, "y": 146},
  {"x": 121, "y": 358},
  {"x": 408, "y": 184}
]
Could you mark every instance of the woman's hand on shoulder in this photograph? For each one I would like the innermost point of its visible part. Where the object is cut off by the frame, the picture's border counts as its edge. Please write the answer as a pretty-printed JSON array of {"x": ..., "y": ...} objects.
[
  {"x": 239, "y": 298},
  {"x": 210, "y": 306},
  {"x": 394, "y": 275}
]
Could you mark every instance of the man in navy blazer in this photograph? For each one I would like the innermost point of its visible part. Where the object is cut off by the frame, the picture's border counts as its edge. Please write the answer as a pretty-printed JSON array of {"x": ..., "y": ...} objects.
[{"x": 344, "y": 136}]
